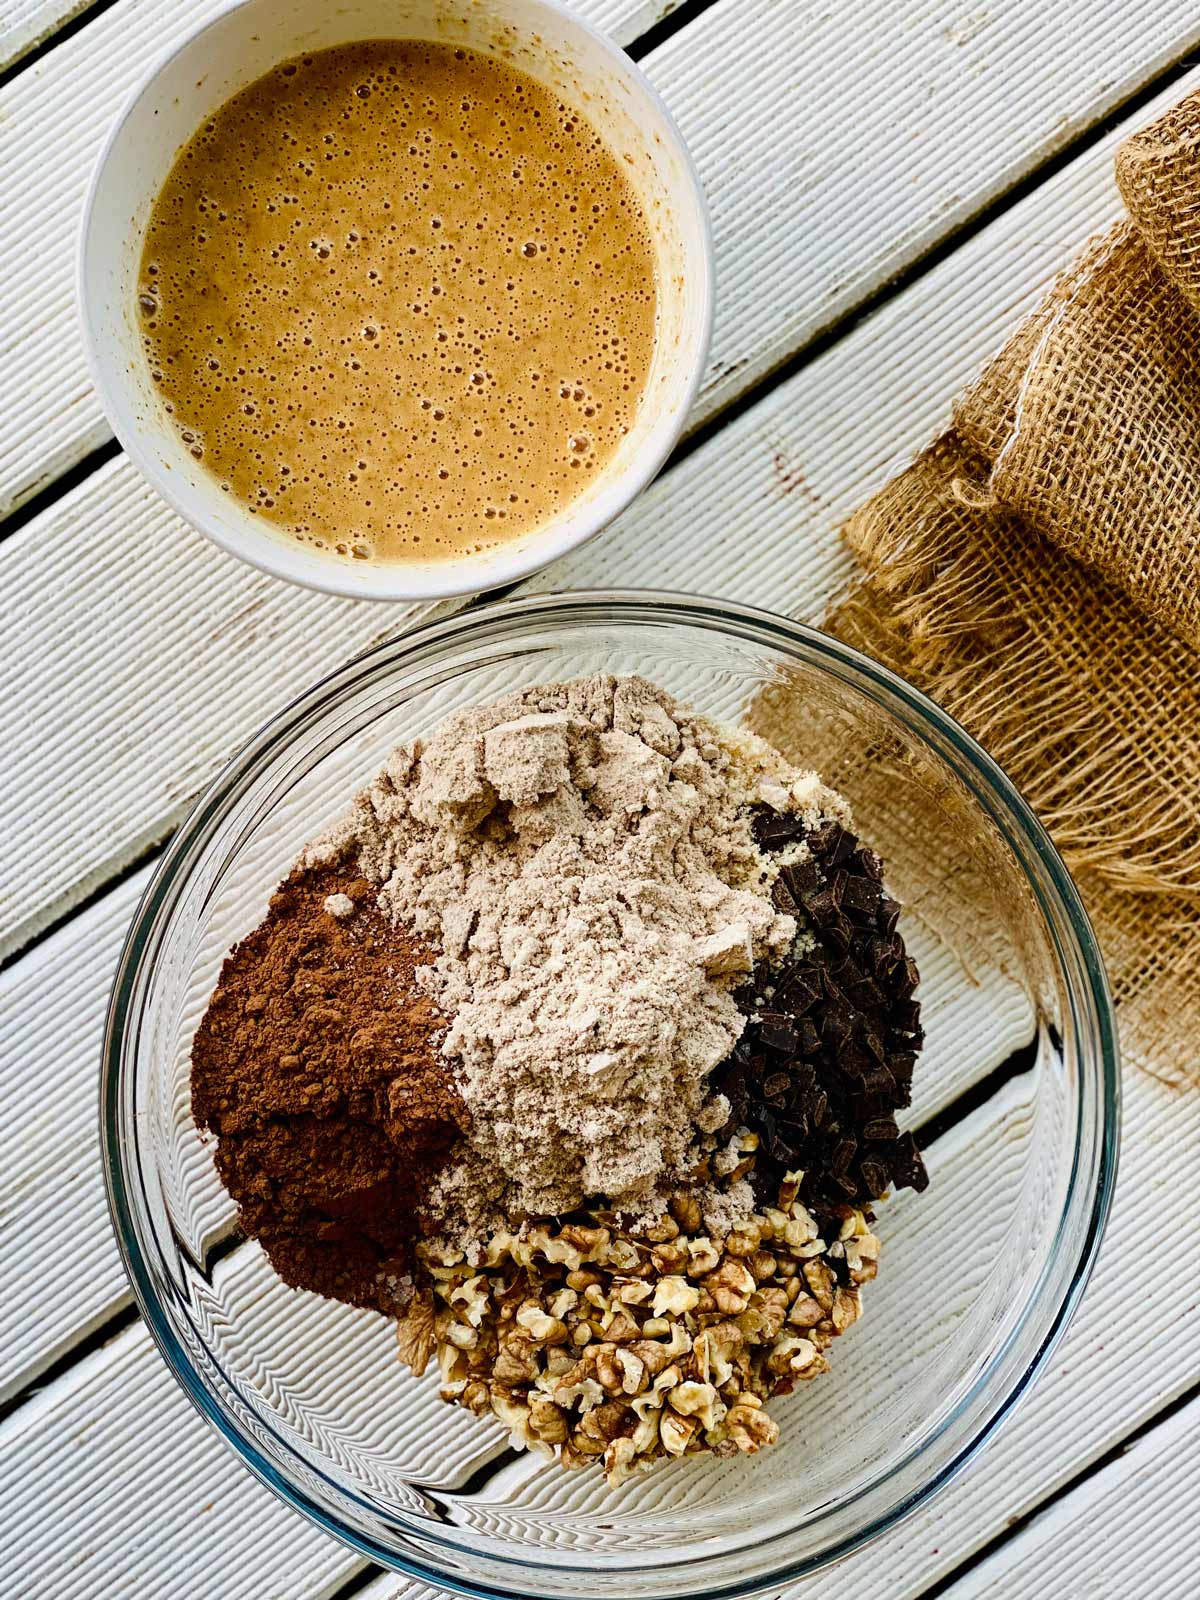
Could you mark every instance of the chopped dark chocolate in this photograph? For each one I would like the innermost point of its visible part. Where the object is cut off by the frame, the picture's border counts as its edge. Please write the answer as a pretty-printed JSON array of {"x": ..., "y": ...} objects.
[
  {"x": 861, "y": 897},
  {"x": 777, "y": 1033},
  {"x": 875, "y": 1174},
  {"x": 783, "y": 899},
  {"x": 776, "y": 1088},
  {"x": 869, "y": 864},
  {"x": 798, "y": 988},
  {"x": 908, "y": 1166},
  {"x": 883, "y": 1128},
  {"x": 773, "y": 829},
  {"x": 823, "y": 906},
  {"x": 810, "y": 1039},
  {"x": 906, "y": 1017},
  {"x": 827, "y": 1056},
  {"x": 803, "y": 880}
]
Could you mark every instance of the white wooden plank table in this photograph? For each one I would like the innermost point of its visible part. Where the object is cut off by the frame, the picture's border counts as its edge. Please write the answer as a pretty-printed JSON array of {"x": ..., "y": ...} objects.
[{"x": 891, "y": 187}]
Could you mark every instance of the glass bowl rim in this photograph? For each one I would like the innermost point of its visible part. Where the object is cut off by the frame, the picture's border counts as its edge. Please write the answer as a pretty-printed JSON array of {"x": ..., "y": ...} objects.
[{"x": 494, "y": 621}]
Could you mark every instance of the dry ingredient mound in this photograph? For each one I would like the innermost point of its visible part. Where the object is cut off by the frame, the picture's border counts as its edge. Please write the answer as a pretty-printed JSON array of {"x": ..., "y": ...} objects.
[
  {"x": 582, "y": 857},
  {"x": 316, "y": 1067}
]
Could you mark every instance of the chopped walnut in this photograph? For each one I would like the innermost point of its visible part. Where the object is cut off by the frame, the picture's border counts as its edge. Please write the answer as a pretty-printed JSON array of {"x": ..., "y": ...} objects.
[
  {"x": 595, "y": 1343},
  {"x": 416, "y": 1333}
]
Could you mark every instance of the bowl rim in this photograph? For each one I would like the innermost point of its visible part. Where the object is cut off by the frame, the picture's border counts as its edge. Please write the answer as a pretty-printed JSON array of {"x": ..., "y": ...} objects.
[
  {"x": 614, "y": 607},
  {"x": 426, "y": 581}
]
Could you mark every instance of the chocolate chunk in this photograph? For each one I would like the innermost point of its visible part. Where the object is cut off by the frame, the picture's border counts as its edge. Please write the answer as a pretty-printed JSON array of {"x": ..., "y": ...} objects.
[
  {"x": 868, "y": 864},
  {"x": 773, "y": 829},
  {"x": 843, "y": 1154},
  {"x": 783, "y": 899},
  {"x": 803, "y": 879},
  {"x": 827, "y": 978},
  {"x": 830, "y": 1042},
  {"x": 836, "y": 1026},
  {"x": 847, "y": 971},
  {"x": 832, "y": 843},
  {"x": 843, "y": 848},
  {"x": 803, "y": 1076},
  {"x": 875, "y": 1176},
  {"x": 865, "y": 994},
  {"x": 881, "y": 1128},
  {"x": 908, "y": 1166},
  {"x": 810, "y": 1039},
  {"x": 861, "y": 898},
  {"x": 884, "y": 956},
  {"x": 901, "y": 1064},
  {"x": 821, "y": 839},
  {"x": 906, "y": 1017},
  {"x": 872, "y": 1042},
  {"x": 837, "y": 934},
  {"x": 879, "y": 1088},
  {"x": 777, "y": 1033},
  {"x": 905, "y": 980},
  {"x": 781, "y": 1150},
  {"x": 798, "y": 988},
  {"x": 823, "y": 907},
  {"x": 776, "y": 1088},
  {"x": 854, "y": 1060},
  {"x": 906, "y": 1041}
]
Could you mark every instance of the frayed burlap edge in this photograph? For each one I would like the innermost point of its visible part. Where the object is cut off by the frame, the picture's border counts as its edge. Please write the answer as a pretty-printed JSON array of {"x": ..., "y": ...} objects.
[
  {"x": 1091, "y": 709},
  {"x": 1037, "y": 572}
]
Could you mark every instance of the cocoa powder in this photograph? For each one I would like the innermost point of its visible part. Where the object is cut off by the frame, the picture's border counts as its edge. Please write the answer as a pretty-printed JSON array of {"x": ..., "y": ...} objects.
[{"x": 317, "y": 1067}]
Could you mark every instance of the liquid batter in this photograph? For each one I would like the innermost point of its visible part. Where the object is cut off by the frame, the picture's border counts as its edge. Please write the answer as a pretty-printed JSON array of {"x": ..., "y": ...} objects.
[{"x": 400, "y": 300}]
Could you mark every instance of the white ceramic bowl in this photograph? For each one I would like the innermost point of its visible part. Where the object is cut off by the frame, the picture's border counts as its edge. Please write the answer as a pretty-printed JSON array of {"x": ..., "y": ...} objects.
[{"x": 233, "y": 50}]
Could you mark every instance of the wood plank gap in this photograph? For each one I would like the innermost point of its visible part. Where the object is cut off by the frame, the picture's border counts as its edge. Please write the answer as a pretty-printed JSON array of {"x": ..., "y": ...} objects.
[
  {"x": 97, "y": 892},
  {"x": 1017, "y": 1525},
  {"x": 478, "y": 1480},
  {"x": 223, "y": 1245},
  {"x": 812, "y": 349},
  {"x": 42, "y": 499},
  {"x": 673, "y": 19},
  {"x": 1022, "y": 1060},
  {"x": 152, "y": 852},
  {"x": 30, "y": 54},
  {"x": 103, "y": 1334},
  {"x": 115, "y": 1323},
  {"x": 833, "y": 334}
]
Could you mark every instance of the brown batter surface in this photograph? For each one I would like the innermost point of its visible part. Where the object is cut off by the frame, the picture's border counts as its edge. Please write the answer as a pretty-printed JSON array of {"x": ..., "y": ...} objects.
[{"x": 400, "y": 300}]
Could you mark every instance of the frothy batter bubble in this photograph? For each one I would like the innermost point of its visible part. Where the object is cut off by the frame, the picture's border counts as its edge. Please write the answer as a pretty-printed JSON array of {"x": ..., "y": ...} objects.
[{"x": 399, "y": 300}]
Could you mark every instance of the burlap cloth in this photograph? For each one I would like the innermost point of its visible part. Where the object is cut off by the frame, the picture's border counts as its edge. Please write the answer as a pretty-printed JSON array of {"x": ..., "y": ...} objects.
[{"x": 1037, "y": 571}]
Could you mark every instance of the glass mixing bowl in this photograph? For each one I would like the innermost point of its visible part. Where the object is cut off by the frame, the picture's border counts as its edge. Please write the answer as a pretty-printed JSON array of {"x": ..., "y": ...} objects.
[{"x": 1016, "y": 1094}]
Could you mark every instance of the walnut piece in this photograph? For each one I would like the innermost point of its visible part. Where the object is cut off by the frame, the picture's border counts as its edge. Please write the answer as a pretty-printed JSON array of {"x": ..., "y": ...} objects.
[
  {"x": 416, "y": 1334},
  {"x": 596, "y": 1344}
]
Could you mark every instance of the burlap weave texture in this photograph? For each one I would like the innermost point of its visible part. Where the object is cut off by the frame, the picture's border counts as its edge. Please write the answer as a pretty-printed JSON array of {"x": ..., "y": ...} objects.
[{"x": 1037, "y": 571}]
